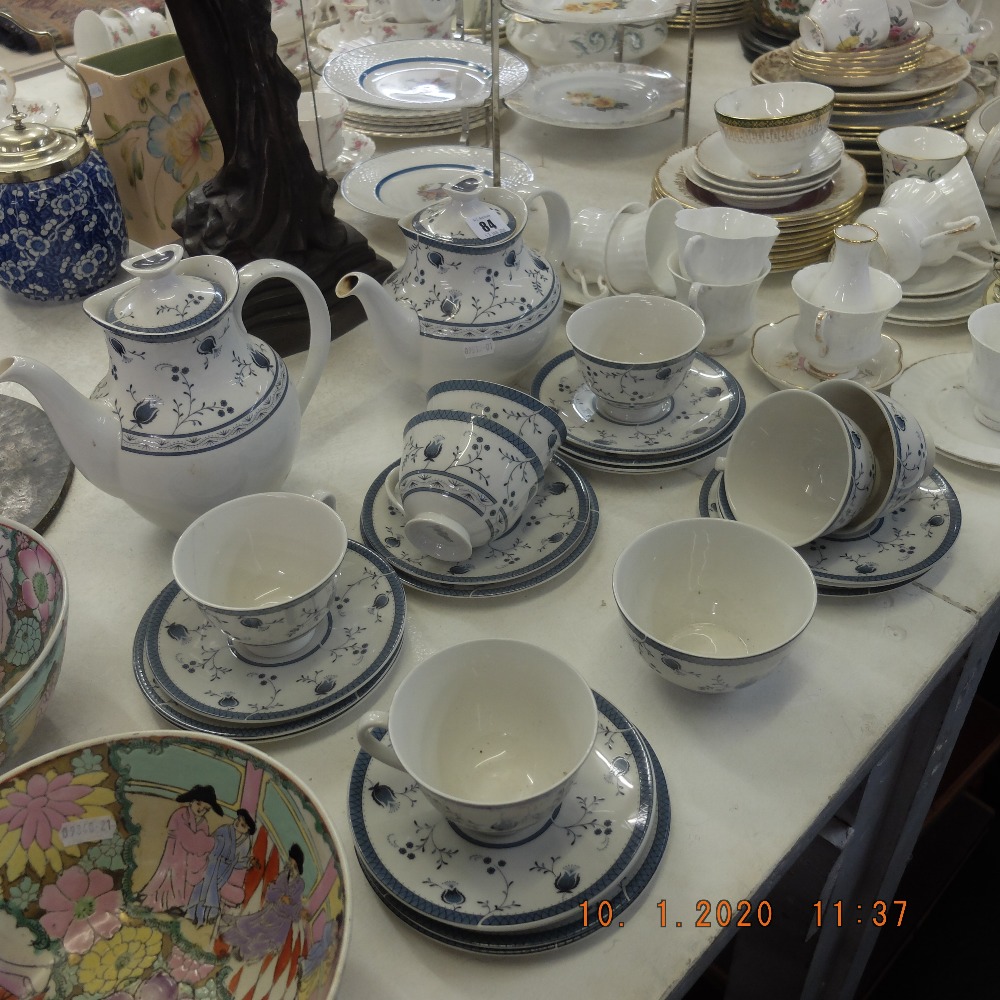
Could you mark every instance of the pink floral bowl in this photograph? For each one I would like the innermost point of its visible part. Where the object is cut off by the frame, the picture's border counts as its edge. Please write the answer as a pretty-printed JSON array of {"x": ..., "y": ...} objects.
[
  {"x": 33, "y": 605},
  {"x": 165, "y": 866}
]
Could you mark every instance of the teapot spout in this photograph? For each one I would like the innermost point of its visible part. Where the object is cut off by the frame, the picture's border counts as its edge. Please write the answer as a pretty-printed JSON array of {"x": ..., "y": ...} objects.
[
  {"x": 88, "y": 431},
  {"x": 396, "y": 326}
]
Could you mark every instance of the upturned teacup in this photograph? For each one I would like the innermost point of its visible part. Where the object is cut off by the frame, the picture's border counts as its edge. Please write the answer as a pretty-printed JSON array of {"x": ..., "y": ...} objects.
[
  {"x": 797, "y": 467},
  {"x": 723, "y": 246},
  {"x": 464, "y": 480},
  {"x": 263, "y": 569},
  {"x": 904, "y": 452},
  {"x": 585, "y": 260},
  {"x": 493, "y": 730},
  {"x": 634, "y": 351},
  {"x": 637, "y": 236}
]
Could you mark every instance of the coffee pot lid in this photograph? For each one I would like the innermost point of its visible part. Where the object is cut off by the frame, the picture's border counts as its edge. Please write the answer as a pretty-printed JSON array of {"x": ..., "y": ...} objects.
[
  {"x": 164, "y": 300},
  {"x": 464, "y": 218},
  {"x": 30, "y": 151}
]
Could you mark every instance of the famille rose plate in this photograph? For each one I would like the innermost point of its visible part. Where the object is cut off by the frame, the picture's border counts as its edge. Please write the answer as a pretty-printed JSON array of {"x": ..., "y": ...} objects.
[
  {"x": 603, "y": 843},
  {"x": 598, "y": 95},
  {"x": 195, "y": 666},
  {"x": 167, "y": 864},
  {"x": 902, "y": 546}
]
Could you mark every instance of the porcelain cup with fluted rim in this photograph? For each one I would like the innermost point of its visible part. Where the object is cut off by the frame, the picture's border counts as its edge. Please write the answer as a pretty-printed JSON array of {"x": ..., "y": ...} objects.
[
  {"x": 636, "y": 235},
  {"x": 773, "y": 127},
  {"x": 983, "y": 381},
  {"x": 464, "y": 480},
  {"x": 728, "y": 311},
  {"x": 529, "y": 418},
  {"x": 919, "y": 151},
  {"x": 904, "y": 452},
  {"x": 94, "y": 34},
  {"x": 263, "y": 568},
  {"x": 712, "y": 605},
  {"x": 634, "y": 351},
  {"x": 723, "y": 246},
  {"x": 321, "y": 122},
  {"x": 905, "y": 244},
  {"x": 835, "y": 341},
  {"x": 494, "y": 731},
  {"x": 797, "y": 467},
  {"x": 585, "y": 259},
  {"x": 856, "y": 25},
  {"x": 145, "y": 22}
]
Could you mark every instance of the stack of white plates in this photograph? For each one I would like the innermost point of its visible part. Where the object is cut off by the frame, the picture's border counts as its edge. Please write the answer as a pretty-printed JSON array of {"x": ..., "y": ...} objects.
[
  {"x": 599, "y": 850},
  {"x": 552, "y": 535},
  {"x": 717, "y": 170},
  {"x": 193, "y": 677},
  {"x": 945, "y": 293},
  {"x": 707, "y": 407},
  {"x": 711, "y": 14}
]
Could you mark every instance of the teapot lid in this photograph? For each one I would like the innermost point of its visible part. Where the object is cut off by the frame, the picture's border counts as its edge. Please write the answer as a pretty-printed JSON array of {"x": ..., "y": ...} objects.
[
  {"x": 464, "y": 218},
  {"x": 34, "y": 152},
  {"x": 162, "y": 299}
]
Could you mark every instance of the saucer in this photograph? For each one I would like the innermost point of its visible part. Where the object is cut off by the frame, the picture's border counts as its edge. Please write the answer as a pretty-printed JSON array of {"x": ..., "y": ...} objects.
[
  {"x": 604, "y": 841},
  {"x": 707, "y": 404},
  {"x": 358, "y": 148},
  {"x": 192, "y": 662},
  {"x": 716, "y": 160},
  {"x": 952, "y": 277},
  {"x": 933, "y": 390},
  {"x": 766, "y": 201},
  {"x": 554, "y": 531},
  {"x": 252, "y": 733},
  {"x": 774, "y": 354},
  {"x": 947, "y": 311},
  {"x": 902, "y": 546}
]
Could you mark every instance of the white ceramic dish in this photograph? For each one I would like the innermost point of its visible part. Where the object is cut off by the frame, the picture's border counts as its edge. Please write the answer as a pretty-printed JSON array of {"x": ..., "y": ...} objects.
[
  {"x": 594, "y": 11},
  {"x": 400, "y": 183},
  {"x": 764, "y": 202},
  {"x": 947, "y": 311},
  {"x": 426, "y": 73},
  {"x": 773, "y": 352},
  {"x": 952, "y": 277},
  {"x": 934, "y": 391},
  {"x": 716, "y": 160},
  {"x": 196, "y": 667},
  {"x": 598, "y": 95}
]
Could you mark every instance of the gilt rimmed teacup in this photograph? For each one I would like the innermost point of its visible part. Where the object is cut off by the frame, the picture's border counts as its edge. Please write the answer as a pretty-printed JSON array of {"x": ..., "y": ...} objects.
[
  {"x": 919, "y": 151},
  {"x": 493, "y": 730}
]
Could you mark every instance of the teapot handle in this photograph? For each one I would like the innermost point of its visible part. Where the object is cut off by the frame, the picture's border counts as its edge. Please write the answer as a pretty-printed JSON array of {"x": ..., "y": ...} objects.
[
  {"x": 319, "y": 317},
  {"x": 560, "y": 222}
]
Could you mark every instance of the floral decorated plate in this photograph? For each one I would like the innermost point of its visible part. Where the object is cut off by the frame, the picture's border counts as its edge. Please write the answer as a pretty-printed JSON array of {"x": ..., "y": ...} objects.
[
  {"x": 585, "y": 12},
  {"x": 934, "y": 391},
  {"x": 774, "y": 354},
  {"x": 440, "y": 73},
  {"x": 166, "y": 864},
  {"x": 192, "y": 662},
  {"x": 598, "y": 95},
  {"x": 595, "y": 840},
  {"x": 902, "y": 546},
  {"x": 623, "y": 893},
  {"x": 553, "y": 527},
  {"x": 706, "y": 405},
  {"x": 399, "y": 183}
]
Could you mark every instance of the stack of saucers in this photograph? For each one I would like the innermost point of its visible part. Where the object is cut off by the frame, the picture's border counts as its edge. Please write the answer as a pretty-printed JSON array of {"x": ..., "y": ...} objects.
[
  {"x": 193, "y": 677},
  {"x": 901, "y": 547},
  {"x": 600, "y": 848},
  {"x": 554, "y": 532},
  {"x": 710, "y": 14},
  {"x": 705, "y": 412},
  {"x": 945, "y": 293}
]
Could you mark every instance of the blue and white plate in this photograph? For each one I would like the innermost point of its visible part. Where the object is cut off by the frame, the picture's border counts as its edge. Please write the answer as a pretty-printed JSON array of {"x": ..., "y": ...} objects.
[
  {"x": 708, "y": 405},
  {"x": 193, "y": 664},
  {"x": 902, "y": 546},
  {"x": 553, "y": 532},
  {"x": 595, "y": 844}
]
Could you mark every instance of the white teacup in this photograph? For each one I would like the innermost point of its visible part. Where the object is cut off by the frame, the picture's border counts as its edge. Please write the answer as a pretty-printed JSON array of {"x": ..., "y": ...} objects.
[
  {"x": 855, "y": 25},
  {"x": 797, "y": 467},
  {"x": 95, "y": 33},
  {"x": 146, "y": 23},
  {"x": 263, "y": 569},
  {"x": 835, "y": 341},
  {"x": 634, "y": 351},
  {"x": 919, "y": 151},
  {"x": 321, "y": 121},
  {"x": 728, "y": 311},
  {"x": 493, "y": 730},
  {"x": 586, "y": 252},
  {"x": 723, "y": 246},
  {"x": 636, "y": 237},
  {"x": 904, "y": 453},
  {"x": 464, "y": 480},
  {"x": 983, "y": 381}
]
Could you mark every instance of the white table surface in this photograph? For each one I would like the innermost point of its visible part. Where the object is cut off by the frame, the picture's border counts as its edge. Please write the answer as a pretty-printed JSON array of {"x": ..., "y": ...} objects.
[{"x": 751, "y": 775}]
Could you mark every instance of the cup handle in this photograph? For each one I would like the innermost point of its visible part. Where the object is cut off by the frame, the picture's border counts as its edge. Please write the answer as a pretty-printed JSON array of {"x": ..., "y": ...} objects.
[
  {"x": 824, "y": 345},
  {"x": 602, "y": 287},
  {"x": 325, "y": 496},
  {"x": 560, "y": 222},
  {"x": 692, "y": 249},
  {"x": 380, "y": 750},
  {"x": 392, "y": 488},
  {"x": 694, "y": 296},
  {"x": 952, "y": 229}
]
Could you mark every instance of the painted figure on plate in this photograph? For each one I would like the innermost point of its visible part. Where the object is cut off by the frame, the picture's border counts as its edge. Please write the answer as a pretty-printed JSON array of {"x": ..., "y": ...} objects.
[{"x": 222, "y": 884}]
